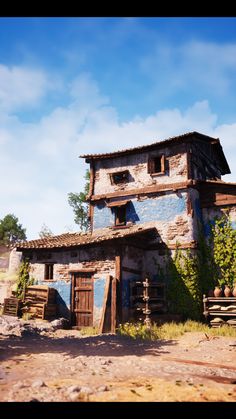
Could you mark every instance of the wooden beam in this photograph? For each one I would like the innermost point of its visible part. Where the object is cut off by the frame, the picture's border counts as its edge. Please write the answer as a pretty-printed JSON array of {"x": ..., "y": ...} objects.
[
  {"x": 160, "y": 246},
  {"x": 131, "y": 270},
  {"x": 83, "y": 270},
  {"x": 207, "y": 204},
  {"x": 91, "y": 179},
  {"x": 118, "y": 267},
  {"x": 113, "y": 305},
  {"x": 189, "y": 155},
  {"x": 118, "y": 276},
  {"x": 106, "y": 292},
  {"x": 147, "y": 190}
]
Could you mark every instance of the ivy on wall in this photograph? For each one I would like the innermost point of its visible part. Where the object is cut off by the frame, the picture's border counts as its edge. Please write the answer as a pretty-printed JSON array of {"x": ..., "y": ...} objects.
[
  {"x": 24, "y": 279},
  {"x": 192, "y": 274},
  {"x": 224, "y": 251},
  {"x": 184, "y": 292}
]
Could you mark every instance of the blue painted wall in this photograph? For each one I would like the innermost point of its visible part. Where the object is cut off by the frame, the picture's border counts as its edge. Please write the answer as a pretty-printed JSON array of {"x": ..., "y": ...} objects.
[
  {"x": 99, "y": 288},
  {"x": 63, "y": 296},
  {"x": 161, "y": 209},
  {"x": 103, "y": 216}
]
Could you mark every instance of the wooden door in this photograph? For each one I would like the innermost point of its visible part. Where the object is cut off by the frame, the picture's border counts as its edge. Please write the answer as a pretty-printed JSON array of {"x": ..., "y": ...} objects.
[{"x": 82, "y": 299}]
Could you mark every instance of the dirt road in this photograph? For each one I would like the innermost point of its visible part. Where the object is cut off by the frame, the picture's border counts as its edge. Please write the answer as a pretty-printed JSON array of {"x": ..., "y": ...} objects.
[{"x": 63, "y": 366}]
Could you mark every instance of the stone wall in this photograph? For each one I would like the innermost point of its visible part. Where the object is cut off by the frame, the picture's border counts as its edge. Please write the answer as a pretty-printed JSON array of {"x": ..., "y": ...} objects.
[
  {"x": 167, "y": 212},
  {"x": 137, "y": 164},
  {"x": 100, "y": 258},
  {"x": 14, "y": 261}
]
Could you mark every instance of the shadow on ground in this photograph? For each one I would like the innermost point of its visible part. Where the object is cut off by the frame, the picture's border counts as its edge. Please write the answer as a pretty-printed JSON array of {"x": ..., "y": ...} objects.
[{"x": 102, "y": 345}]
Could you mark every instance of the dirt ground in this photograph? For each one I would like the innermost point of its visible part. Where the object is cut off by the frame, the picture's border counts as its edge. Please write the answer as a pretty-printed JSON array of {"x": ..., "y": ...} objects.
[{"x": 63, "y": 366}]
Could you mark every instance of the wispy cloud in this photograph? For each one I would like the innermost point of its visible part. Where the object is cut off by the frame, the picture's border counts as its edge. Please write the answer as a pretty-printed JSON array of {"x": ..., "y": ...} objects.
[
  {"x": 40, "y": 160},
  {"x": 21, "y": 87},
  {"x": 193, "y": 64}
]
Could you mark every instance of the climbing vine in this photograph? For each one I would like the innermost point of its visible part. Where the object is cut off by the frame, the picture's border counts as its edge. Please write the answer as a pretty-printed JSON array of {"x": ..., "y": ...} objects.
[
  {"x": 24, "y": 279},
  {"x": 184, "y": 292},
  {"x": 224, "y": 251},
  {"x": 192, "y": 275}
]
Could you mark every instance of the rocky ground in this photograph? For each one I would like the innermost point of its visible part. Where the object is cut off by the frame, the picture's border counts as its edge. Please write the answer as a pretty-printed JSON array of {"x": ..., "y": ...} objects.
[{"x": 42, "y": 362}]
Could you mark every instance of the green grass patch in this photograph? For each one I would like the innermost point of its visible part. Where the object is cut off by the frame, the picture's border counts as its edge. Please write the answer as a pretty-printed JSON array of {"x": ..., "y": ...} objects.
[
  {"x": 89, "y": 331},
  {"x": 172, "y": 330}
]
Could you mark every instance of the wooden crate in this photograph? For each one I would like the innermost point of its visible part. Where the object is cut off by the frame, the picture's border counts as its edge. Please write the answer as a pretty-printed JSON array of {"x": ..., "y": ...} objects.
[
  {"x": 41, "y": 293},
  {"x": 39, "y": 302},
  {"x": 11, "y": 306}
]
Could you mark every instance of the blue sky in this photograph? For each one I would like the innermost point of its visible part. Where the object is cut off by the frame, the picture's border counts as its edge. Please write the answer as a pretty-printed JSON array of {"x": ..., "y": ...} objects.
[{"x": 70, "y": 86}]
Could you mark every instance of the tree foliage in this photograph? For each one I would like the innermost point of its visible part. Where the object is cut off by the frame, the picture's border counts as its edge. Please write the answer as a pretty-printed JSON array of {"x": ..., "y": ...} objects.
[
  {"x": 11, "y": 230},
  {"x": 80, "y": 207},
  {"x": 45, "y": 232}
]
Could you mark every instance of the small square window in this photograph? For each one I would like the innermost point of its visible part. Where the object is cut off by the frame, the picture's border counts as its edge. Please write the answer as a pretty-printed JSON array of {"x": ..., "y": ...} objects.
[
  {"x": 156, "y": 165},
  {"x": 119, "y": 177}
]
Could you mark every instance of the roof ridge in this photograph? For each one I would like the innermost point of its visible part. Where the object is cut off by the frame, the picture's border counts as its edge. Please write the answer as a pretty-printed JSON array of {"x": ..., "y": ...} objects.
[{"x": 173, "y": 138}]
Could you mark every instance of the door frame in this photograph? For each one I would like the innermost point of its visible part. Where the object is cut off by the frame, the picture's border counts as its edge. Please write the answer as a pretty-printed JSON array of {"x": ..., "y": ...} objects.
[{"x": 74, "y": 272}]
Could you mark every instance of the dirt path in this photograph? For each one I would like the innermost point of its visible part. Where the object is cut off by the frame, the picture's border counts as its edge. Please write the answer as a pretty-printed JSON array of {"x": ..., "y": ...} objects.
[{"x": 63, "y": 366}]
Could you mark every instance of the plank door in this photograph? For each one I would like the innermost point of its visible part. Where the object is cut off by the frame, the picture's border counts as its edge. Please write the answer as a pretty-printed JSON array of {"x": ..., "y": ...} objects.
[{"x": 83, "y": 299}]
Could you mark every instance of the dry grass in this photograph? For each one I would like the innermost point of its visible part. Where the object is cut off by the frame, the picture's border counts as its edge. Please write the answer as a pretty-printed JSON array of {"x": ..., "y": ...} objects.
[
  {"x": 6, "y": 276},
  {"x": 89, "y": 331},
  {"x": 172, "y": 330}
]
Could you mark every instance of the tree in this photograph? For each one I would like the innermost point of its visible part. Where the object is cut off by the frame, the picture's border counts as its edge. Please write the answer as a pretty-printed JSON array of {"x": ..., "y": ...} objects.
[
  {"x": 45, "y": 232},
  {"x": 80, "y": 207},
  {"x": 10, "y": 230}
]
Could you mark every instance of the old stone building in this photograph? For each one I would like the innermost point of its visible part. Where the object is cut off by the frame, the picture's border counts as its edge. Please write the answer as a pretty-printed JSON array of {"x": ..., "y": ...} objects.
[{"x": 142, "y": 202}]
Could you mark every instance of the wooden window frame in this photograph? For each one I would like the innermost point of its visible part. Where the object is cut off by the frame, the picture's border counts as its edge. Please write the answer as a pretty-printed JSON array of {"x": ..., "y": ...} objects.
[
  {"x": 125, "y": 179},
  {"x": 48, "y": 271},
  {"x": 152, "y": 165}
]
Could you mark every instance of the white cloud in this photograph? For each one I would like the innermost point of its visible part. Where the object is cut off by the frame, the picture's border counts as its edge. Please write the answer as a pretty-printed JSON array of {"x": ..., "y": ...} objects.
[
  {"x": 20, "y": 87},
  {"x": 191, "y": 65},
  {"x": 39, "y": 161}
]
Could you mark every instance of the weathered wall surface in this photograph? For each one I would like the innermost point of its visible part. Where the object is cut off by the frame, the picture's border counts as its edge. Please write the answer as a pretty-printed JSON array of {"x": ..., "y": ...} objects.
[
  {"x": 14, "y": 261},
  {"x": 209, "y": 214},
  {"x": 100, "y": 258},
  {"x": 137, "y": 164},
  {"x": 167, "y": 212},
  {"x": 99, "y": 292}
]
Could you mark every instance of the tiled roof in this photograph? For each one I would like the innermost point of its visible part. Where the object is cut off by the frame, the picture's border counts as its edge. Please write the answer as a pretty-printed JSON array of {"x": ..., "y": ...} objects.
[
  {"x": 80, "y": 239},
  {"x": 177, "y": 138}
]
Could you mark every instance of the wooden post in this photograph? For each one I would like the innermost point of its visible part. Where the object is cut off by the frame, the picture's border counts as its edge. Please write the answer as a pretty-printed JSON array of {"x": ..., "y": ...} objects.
[
  {"x": 106, "y": 292},
  {"x": 118, "y": 288},
  {"x": 113, "y": 306}
]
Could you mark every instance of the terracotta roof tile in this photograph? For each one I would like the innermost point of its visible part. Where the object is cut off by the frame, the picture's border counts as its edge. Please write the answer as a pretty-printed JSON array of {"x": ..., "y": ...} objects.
[{"x": 80, "y": 239}]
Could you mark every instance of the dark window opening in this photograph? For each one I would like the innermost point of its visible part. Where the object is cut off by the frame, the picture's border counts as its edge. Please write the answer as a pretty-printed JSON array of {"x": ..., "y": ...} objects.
[
  {"x": 120, "y": 216},
  {"x": 48, "y": 272},
  {"x": 119, "y": 177},
  {"x": 73, "y": 254},
  {"x": 156, "y": 165}
]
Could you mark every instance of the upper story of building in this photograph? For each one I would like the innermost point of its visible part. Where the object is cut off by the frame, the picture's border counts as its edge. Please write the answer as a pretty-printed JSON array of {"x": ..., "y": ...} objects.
[
  {"x": 178, "y": 159},
  {"x": 121, "y": 181}
]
